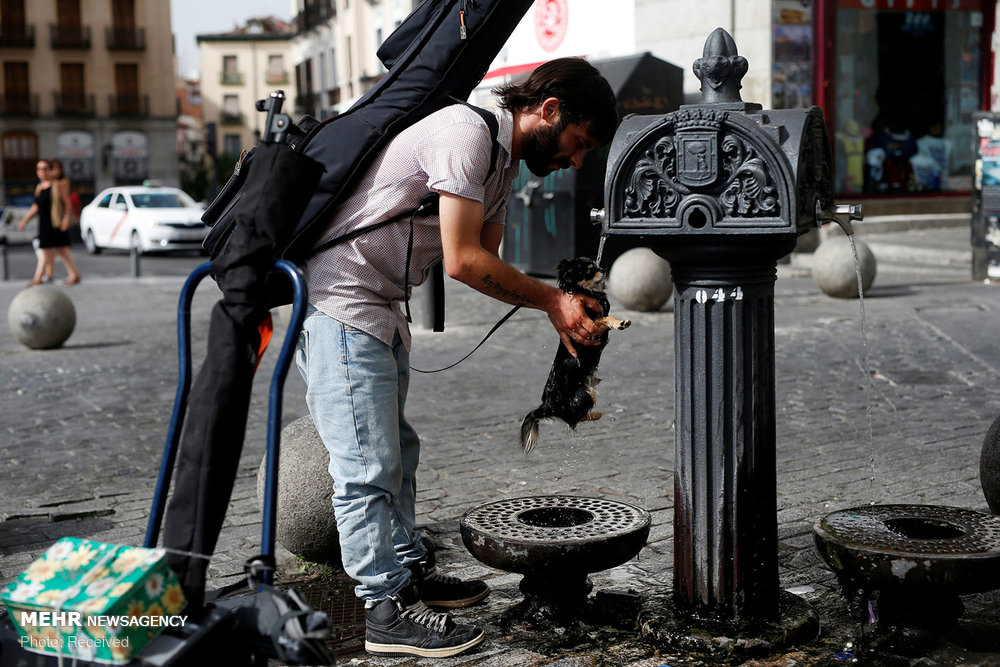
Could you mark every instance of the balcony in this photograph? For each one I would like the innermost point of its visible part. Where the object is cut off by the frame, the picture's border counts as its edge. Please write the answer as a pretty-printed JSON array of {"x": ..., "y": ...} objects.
[
  {"x": 133, "y": 105},
  {"x": 19, "y": 104},
  {"x": 21, "y": 36},
  {"x": 231, "y": 79},
  {"x": 74, "y": 104},
  {"x": 69, "y": 36},
  {"x": 276, "y": 78},
  {"x": 314, "y": 14},
  {"x": 231, "y": 118},
  {"x": 127, "y": 38}
]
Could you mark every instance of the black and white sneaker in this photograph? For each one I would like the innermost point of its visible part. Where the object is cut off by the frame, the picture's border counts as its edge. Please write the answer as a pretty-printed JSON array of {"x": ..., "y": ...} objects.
[
  {"x": 442, "y": 590},
  {"x": 403, "y": 625}
]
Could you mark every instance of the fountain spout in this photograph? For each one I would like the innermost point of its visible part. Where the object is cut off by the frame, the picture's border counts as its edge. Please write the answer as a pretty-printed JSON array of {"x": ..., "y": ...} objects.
[{"x": 843, "y": 215}]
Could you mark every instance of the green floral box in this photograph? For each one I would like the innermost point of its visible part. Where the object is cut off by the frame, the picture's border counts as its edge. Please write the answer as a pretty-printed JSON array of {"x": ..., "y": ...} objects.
[{"x": 94, "y": 601}]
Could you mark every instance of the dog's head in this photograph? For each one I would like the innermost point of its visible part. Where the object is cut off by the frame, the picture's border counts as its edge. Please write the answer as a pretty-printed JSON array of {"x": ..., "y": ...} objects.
[{"x": 580, "y": 272}]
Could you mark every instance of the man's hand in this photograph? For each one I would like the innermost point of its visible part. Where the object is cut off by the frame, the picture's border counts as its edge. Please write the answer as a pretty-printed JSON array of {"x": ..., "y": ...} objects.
[
  {"x": 468, "y": 259},
  {"x": 572, "y": 322}
]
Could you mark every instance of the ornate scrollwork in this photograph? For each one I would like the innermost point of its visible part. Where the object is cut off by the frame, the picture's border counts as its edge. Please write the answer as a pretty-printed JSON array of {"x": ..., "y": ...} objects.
[
  {"x": 745, "y": 188},
  {"x": 750, "y": 193},
  {"x": 652, "y": 190}
]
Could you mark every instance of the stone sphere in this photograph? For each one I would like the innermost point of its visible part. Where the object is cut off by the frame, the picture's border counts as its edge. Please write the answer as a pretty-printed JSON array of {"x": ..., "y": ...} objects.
[
  {"x": 41, "y": 317},
  {"x": 989, "y": 467},
  {"x": 306, "y": 524},
  {"x": 640, "y": 280},
  {"x": 834, "y": 268}
]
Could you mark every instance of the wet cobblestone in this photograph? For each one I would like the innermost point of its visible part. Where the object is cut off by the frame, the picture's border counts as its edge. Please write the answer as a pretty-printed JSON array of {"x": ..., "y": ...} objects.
[{"x": 82, "y": 430}]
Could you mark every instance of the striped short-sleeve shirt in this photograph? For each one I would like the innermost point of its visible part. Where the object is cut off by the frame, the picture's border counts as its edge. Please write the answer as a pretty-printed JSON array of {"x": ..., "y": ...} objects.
[{"x": 360, "y": 282}]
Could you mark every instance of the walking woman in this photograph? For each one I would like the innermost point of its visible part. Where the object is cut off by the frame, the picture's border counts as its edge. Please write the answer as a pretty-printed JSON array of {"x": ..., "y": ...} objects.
[
  {"x": 52, "y": 234},
  {"x": 62, "y": 212}
]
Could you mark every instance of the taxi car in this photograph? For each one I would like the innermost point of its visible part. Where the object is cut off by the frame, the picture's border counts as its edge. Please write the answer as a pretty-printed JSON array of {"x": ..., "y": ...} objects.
[{"x": 147, "y": 218}]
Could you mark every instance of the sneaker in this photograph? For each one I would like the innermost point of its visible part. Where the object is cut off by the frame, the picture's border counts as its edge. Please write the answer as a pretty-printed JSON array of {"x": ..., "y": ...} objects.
[
  {"x": 403, "y": 625},
  {"x": 442, "y": 590}
]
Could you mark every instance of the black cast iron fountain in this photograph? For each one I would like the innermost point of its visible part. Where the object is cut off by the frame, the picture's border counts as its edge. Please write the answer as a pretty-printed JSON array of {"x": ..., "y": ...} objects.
[
  {"x": 907, "y": 565},
  {"x": 722, "y": 189},
  {"x": 555, "y": 542}
]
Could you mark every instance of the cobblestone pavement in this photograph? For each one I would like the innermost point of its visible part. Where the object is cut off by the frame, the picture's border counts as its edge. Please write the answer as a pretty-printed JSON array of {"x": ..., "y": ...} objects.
[{"x": 83, "y": 427}]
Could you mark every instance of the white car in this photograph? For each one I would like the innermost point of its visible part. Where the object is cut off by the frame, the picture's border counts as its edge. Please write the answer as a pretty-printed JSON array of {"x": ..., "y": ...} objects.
[{"x": 147, "y": 218}]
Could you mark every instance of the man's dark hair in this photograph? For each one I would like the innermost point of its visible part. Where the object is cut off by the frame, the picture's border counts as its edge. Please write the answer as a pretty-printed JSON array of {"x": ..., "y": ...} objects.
[{"x": 584, "y": 95}]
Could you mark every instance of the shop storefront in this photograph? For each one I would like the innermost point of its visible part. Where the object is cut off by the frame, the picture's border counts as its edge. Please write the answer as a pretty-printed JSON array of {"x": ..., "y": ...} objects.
[{"x": 899, "y": 81}]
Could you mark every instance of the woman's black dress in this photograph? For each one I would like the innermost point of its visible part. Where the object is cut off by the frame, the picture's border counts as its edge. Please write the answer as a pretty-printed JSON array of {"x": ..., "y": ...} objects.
[{"x": 48, "y": 236}]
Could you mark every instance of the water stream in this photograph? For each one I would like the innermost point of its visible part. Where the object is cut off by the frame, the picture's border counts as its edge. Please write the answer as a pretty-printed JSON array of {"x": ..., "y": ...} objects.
[{"x": 869, "y": 386}]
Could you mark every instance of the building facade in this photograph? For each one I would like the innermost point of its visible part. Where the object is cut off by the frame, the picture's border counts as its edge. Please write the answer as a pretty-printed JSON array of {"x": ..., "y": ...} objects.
[
  {"x": 237, "y": 69},
  {"x": 89, "y": 82},
  {"x": 335, "y": 48}
]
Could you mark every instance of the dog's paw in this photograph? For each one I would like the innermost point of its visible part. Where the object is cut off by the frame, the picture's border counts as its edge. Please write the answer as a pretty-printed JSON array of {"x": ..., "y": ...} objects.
[
  {"x": 592, "y": 417},
  {"x": 609, "y": 322}
]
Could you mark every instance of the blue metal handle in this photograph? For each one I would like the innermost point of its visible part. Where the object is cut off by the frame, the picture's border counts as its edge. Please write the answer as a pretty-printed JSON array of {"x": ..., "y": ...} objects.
[
  {"x": 180, "y": 403},
  {"x": 281, "y": 367}
]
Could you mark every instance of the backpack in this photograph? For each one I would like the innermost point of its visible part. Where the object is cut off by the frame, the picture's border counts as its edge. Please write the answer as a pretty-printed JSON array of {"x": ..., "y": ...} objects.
[{"x": 436, "y": 57}]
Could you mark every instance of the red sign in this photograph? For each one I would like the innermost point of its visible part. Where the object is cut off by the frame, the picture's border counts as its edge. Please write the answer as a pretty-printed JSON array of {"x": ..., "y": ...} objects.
[
  {"x": 551, "y": 19},
  {"x": 914, "y": 5}
]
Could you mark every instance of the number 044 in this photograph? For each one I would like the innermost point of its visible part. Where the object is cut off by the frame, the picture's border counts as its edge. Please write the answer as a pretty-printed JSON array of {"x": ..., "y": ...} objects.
[{"x": 720, "y": 294}]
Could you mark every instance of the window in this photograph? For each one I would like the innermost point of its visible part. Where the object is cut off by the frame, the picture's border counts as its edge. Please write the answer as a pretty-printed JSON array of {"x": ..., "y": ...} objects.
[
  {"x": 20, "y": 153},
  {"x": 126, "y": 89},
  {"x": 229, "y": 73},
  {"x": 68, "y": 30},
  {"x": 907, "y": 84},
  {"x": 231, "y": 144},
  {"x": 105, "y": 201},
  {"x": 120, "y": 202},
  {"x": 276, "y": 69},
  {"x": 17, "y": 98},
  {"x": 123, "y": 13},
  {"x": 13, "y": 29},
  {"x": 72, "y": 98},
  {"x": 12, "y": 17},
  {"x": 160, "y": 200},
  {"x": 123, "y": 33},
  {"x": 333, "y": 68},
  {"x": 231, "y": 110}
]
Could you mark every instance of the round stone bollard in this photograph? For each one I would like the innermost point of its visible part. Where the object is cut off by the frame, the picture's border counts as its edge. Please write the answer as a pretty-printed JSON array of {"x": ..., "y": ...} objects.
[
  {"x": 834, "y": 269},
  {"x": 640, "y": 280},
  {"x": 41, "y": 317},
  {"x": 989, "y": 467},
  {"x": 306, "y": 524}
]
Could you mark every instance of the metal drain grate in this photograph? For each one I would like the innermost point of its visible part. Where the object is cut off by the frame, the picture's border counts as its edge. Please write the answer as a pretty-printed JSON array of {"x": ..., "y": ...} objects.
[
  {"x": 914, "y": 529},
  {"x": 333, "y": 595},
  {"x": 552, "y": 519}
]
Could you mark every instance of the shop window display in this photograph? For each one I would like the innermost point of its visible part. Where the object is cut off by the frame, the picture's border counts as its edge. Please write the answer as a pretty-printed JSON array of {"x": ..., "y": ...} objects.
[{"x": 907, "y": 84}]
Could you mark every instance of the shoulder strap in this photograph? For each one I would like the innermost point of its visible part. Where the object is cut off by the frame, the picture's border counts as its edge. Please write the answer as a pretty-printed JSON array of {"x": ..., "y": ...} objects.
[
  {"x": 428, "y": 205},
  {"x": 494, "y": 126}
]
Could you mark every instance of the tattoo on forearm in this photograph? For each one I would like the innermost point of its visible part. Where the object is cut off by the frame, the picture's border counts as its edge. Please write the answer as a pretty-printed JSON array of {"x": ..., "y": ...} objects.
[{"x": 505, "y": 293}]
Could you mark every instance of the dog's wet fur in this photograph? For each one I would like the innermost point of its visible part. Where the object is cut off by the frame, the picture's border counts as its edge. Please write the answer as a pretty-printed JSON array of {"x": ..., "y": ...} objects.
[{"x": 569, "y": 392}]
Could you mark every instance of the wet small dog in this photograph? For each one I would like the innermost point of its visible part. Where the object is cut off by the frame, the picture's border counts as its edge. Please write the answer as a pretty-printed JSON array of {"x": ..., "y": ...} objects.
[{"x": 569, "y": 392}]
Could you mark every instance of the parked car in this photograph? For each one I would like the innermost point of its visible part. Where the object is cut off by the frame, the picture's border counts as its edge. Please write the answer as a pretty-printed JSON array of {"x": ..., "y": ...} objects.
[{"x": 147, "y": 218}]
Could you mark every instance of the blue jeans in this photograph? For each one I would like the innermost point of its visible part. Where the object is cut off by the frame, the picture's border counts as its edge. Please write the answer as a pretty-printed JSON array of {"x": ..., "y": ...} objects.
[{"x": 356, "y": 390}]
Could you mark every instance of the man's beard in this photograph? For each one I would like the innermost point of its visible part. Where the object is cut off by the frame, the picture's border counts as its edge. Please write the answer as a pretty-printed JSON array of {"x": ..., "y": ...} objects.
[{"x": 540, "y": 146}]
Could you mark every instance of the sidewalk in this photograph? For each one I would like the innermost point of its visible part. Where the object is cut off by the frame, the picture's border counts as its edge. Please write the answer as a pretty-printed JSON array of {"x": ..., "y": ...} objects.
[{"x": 83, "y": 430}]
